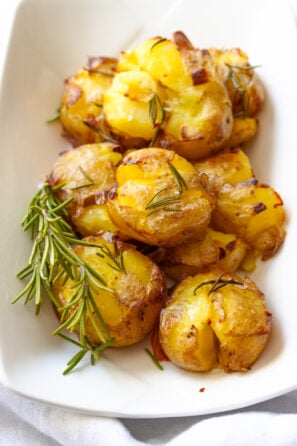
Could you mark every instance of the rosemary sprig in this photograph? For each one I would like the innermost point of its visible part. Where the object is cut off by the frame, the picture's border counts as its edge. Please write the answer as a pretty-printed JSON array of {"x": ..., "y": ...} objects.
[
  {"x": 156, "y": 203},
  {"x": 218, "y": 284},
  {"x": 52, "y": 258},
  {"x": 155, "y": 104}
]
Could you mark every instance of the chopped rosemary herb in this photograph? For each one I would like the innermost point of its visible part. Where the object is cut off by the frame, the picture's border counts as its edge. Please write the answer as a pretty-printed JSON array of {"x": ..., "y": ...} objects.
[
  {"x": 154, "y": 359},
  {"x": 155, "y": 104},
  {"x": 105, "y": 136},
  {"x": 55, "y": 116},
  {"x": 158, "y": 43},
  {"x": 87, "y": 177},
  {"x": 241, "y": 93},
  {"x": 104, "y": 73},
  {"x": 162, "y": 203},
  {"x": 243, "y": 67},
  {"x": 179, "y": 179},
  {"x": 52, "y": 258},
  {"x": 218, "y": 283}
]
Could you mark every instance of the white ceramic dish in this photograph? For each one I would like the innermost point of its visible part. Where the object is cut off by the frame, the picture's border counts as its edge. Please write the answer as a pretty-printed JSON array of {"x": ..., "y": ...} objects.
[{"x": 50, "y": 40}]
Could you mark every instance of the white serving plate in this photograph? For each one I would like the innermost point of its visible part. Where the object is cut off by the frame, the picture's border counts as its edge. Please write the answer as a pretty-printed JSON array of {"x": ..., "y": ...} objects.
[{"x": 51, "y": 40}]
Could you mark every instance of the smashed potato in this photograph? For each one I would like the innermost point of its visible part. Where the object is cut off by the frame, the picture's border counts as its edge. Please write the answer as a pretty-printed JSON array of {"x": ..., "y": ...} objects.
[
  {"x": 229, "y": 166},
  {"x": 214, "y": 250},
  {"x": 86, "y": 174},
  {"x": 161, "y": 199},
  {"x": 254, "y": 212},
  {"x": 215, "y": 319},
  {"x": 167, "y": 172},
  {"x": 81, "y": 107},
  {"x": 137, "y": 293}
]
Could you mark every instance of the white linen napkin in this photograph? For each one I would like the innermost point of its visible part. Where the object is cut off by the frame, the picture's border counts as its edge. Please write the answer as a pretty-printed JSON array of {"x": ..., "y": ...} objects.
[{"x": 26, "y": 422}]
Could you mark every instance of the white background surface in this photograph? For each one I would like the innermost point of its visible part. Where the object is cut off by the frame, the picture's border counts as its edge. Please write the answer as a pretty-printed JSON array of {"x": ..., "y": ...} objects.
[{"x": 25, "y": 422}]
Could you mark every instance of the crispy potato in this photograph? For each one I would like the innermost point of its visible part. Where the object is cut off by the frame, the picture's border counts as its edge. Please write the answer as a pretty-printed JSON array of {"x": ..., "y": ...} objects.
[
  {"x": 127, "y": 105},
  {"x": 81, "y": 106},
  {"x": 131, "y": 310},
  {"x": 254, "y": 212},
  {"x": 87, "y": 174},
  {"x": 215, "y": 319},
  {"x": 199, "y": 121},
  {"x": 244, "y": 129},
  {"x": 245, "y": 91},
  {"x": 230, "y": 166},
  {"x": 215, "y": 250},
  {"x": 161, "y": 200},
  {"x": 161, "y": 59},
  {"x": 193, "y": 108}
]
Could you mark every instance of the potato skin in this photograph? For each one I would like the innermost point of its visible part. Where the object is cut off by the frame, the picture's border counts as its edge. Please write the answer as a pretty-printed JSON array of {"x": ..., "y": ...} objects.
[
  {"x": 200, "y": 121},
  {"x": 227, "y": 328},
  {"x": 254, "y": 212},
  {"x": 215, "y": 250},
  {"x": 81, "y": 105},
  {"x": 139, "y": 292},
  {"x": 145, "y": 179},
  {"x": 229, "y": 166},
  {"x": 87, "y": 174}
]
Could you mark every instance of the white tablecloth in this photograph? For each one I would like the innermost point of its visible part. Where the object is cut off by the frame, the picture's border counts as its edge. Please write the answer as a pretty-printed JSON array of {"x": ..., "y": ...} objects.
[{"x": 27, "y": 422}]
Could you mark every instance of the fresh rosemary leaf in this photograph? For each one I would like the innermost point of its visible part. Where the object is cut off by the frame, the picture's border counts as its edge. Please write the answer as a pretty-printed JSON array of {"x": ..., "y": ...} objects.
[
  {"x": 55, "y": 116},
  {"x": 218, "y": 283},
  {"x": 155, "y": 361},
  {"x": 155, "y": 104},
  {"x": 53, "y": 258},
  {"x": 158, "y": 43},
  {"x": 179, "y": 179},
  {"x": 163, "y": 203}
]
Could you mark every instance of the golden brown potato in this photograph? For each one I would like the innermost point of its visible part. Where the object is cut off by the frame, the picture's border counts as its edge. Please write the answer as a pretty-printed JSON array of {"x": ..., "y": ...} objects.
[
  {"x": 215, "y": 319},
  {"x": 161, "y": 199},
  {"x": 87, "y": 174},
  {"x": 245, "y": 91},
  {"x": 244, "y": 129},
  {"x": 229, "y": 166},
  {"x": 160, "y": 58},
  {"x": 81, "y": 106},
  {"x": 138, "y": 291},
  {"x": 214, "y": 250},
  {"x": 254, "y": 212},
  {"x": 199, "y": 121},
  {"x": 192, "y": 108},
  {"x": 127, "y": 105}
]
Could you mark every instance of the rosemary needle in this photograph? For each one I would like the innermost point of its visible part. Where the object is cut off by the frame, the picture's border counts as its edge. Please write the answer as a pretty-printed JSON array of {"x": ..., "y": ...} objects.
[
  {"x": 52, "y": 258},
  {"x": 218, "y": 283}
]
